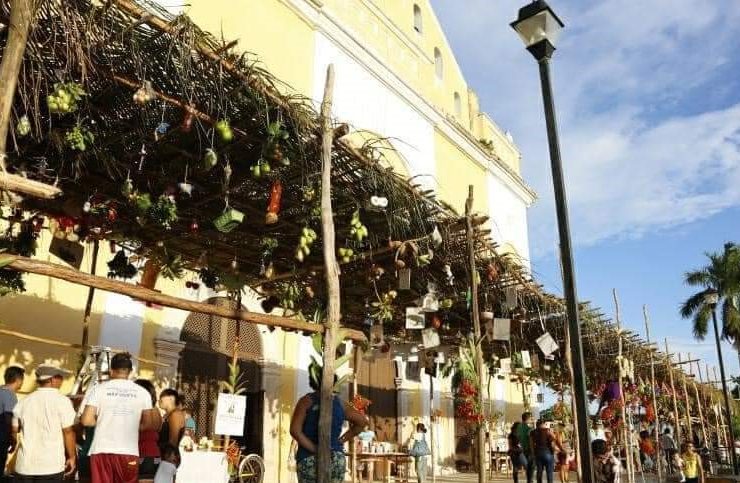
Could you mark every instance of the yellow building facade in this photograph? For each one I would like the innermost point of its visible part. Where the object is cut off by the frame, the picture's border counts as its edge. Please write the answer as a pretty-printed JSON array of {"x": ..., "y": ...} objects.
[{"x": 396, "y": 78}]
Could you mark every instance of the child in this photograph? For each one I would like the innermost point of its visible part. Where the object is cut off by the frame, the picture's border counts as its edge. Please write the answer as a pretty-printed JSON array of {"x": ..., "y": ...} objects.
[
  {"x": 168, "y": 467},
  {"x": 606, "y": 465},
  {"x": 692, "y": 471}
]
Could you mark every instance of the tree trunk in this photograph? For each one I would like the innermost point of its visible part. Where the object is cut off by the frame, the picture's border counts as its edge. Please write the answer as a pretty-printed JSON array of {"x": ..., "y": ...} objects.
[{"x": 332, "y": 284}]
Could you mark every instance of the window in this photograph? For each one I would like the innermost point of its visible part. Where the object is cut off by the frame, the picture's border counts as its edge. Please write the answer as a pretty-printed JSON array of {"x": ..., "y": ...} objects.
[
  {"x": 417, "y": 18},
  {"x": 438, "y": 67},
  {"x": 458, "y": 105}
]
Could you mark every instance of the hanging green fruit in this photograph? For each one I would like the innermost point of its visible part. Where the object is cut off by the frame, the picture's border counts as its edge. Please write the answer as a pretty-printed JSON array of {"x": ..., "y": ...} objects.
[
  {"x": 224, "y": 131},
  {"x": 210, "y": 159},
  {"x": 23, "y": 128},
  {"x": 261, "y": 168},
  {"x": 65, "y": 97},
  {"x": 307, "y": 238},
  {"x": 358, "y": 230},
  {"x": 346, "y": 254},
  {"x": 79, "y": 138}
]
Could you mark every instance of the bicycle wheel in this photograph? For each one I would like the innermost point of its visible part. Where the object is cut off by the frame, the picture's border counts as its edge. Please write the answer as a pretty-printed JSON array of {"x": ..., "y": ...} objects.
[{"x": 251, "y": 469}]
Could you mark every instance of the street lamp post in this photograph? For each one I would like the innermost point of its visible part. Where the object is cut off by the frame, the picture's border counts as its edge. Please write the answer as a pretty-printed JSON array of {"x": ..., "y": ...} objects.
[
  {"x": 538, "y": 26},
  {"x": 711, "y": 298}
]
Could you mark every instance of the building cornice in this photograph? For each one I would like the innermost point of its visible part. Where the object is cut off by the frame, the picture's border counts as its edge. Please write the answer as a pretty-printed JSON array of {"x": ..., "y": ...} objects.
[{"x": 330, "y": 26}]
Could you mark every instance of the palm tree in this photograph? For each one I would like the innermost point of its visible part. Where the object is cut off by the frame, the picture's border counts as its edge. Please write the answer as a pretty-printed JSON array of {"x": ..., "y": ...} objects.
[{"x": 721, "y": 275}]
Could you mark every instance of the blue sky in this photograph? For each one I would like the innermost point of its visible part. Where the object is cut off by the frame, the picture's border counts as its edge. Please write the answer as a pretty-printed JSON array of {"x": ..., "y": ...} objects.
[{"x": 648, "y": 101}]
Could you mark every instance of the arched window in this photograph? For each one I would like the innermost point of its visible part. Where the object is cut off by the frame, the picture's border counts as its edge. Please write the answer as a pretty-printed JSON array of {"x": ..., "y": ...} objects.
[
  {"x": 438, "y": 67},
  {"x": 417, "y": 18},
  {"x": 458, "y": 105}
]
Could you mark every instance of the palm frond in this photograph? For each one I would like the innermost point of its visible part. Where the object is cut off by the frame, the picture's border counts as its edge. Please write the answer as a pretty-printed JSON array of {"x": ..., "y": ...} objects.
[
  {"x": 730, "y": 319},
  {"x": 692, "y": 305},
  {"x": 698, "y": 278},
  {"x": 701, "y": 322}
]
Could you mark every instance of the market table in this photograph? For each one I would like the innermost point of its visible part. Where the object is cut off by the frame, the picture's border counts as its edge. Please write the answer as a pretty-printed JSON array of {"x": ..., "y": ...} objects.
[
  {"x": 398, "y": 458},
  {"x": 202, "y": 466}
]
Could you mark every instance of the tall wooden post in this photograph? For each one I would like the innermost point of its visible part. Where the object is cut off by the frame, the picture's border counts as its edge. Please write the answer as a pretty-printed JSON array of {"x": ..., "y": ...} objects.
[
  {"x": 356, "y": 371},
  {"x": 333, "y": 312},
  {"x": 21, "y": 16},
  {"x": 654, "y": 388},
  {"x": 718, "y": 428},
  {"x": 673, "y": 390},
  {"x": 699, "y": 404},
  {"x": 688, "y": 403},
  {"x": 482, "y": 458},
  {"x": 730, "y": 446},
  {"x": 625, "y": 433},
  {"x": 90, "y": 296}
]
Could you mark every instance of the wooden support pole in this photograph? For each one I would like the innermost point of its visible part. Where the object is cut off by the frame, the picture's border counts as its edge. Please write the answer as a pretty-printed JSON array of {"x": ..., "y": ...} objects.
[
  {"x": 333, "y": 312},
  {"x": 39, "y": 267},
  {"x": 718, "y": 428},
  {"x": 700, "y": 403},
  {"x": 625, "y": 433},
  {"x": 673, "y": 390},
  {"x": 90, "y": 296},
  {"x": 690, "y": 435},
  {"x": 729, "y": 445},
  {"x": 20, "y": 184},
  {"x": 654, "y": 389},
  {"x": 21, "y": 17},
  {"x": 355, "y": 375},
  {"x": 476, "y": 331},
  {"x": 433, "y": 451}
]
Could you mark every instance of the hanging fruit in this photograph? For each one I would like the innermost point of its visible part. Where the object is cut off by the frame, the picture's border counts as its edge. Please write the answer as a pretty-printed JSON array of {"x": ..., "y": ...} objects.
[
  {"x": 273, "y": 149},
  {"x": 358, "y": 230},
  {"x": 23, "y": 127},
  {"x": 346, "y": 254},
  {"x": 260, "y": 168},
  {"x": 308, "y": 237},
  {"x": 210, "y": 159},
  {"x": 273, "y": 208},
  {"x": 224, "y": 131},
  {"x": 144, "y": 94},
  {"x": 79, "y": 138},
  {"x": 65, "y": 97}
]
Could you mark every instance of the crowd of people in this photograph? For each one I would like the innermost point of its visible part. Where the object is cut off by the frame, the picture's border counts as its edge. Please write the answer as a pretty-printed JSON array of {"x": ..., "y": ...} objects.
[
  {"x": 119, "y": 432},
  {"x": 541, "y": 447}
]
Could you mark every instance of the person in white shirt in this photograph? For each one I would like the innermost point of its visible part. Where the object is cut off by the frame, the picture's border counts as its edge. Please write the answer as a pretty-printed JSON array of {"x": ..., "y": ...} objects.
[
  {"x": 118, "y": 408},
  {"x": 45, "y": 420}
]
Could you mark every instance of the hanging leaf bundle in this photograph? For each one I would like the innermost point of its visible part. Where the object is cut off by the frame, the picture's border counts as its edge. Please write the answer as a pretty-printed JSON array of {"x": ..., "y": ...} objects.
[{"x": 121, "y": 267}]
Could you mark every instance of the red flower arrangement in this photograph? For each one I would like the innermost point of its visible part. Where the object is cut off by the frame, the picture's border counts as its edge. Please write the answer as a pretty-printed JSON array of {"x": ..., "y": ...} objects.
[
  {"x": 360, "y": 403},
  {"x": 466, "y": 405}
]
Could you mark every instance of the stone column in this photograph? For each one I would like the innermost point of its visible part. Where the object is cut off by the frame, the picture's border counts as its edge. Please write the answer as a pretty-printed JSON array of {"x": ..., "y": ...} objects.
[
  {"x": 167, "y": 351},
  {"x": 271, "y": 430}
]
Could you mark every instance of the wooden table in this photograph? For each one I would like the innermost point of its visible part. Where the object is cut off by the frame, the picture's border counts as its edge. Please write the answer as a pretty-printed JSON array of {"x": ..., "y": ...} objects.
[{"x": 384, "y": 459}]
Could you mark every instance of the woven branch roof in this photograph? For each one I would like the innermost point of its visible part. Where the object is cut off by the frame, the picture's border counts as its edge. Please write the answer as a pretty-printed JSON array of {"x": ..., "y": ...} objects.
[{"x": 112, "y": 48}]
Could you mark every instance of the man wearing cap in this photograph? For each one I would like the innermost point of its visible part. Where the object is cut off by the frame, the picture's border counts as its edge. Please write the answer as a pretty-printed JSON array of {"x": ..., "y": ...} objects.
[
  {"x": 45, "y": 420},
  {"x": 8, "y": 399},
  {"x": 118, "y": 408}
]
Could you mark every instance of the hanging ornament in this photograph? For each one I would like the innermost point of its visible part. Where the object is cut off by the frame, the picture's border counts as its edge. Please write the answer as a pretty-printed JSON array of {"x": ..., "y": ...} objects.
[
  {"x": 358, "y": 230},
  {"x": 86, "y": 206},
  {"x": 228, "y": 220},
  {"x": 210, "y": 159},
  {"x": 224, "y": 131},
  {"x": 128, "y": 187},
  {"x": 161, "y": 130},
  {"x": 378, "y": 203},
  {"x": 234, "y": 265},
  {"x": 144, "y": 94},
  {"x": 112, "y": 214},
  {"x": 269, "y": 271},
  {"x": 23, "y": 127},
  {"x": 273, "y": 208},
  {"x": 194, "y": 226},
  {"x": 185, "y": 187},
  {"x": 142, "y": 155},
  {"x": 306, "y": 240},
  {"x": 260, "y": 168},
  {"x": 449, "y": 275}
]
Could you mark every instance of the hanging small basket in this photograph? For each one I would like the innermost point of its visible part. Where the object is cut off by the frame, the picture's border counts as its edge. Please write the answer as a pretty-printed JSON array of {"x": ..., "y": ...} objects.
[{"x": 228, "y": 220}]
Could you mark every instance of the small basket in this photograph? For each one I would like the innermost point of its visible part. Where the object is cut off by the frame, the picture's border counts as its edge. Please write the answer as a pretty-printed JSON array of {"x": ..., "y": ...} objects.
[{"x": 228, "y": 220}]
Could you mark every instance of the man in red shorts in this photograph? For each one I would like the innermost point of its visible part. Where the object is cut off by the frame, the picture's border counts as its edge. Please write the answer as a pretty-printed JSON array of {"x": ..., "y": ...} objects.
[{"x": 118, "y": 408}]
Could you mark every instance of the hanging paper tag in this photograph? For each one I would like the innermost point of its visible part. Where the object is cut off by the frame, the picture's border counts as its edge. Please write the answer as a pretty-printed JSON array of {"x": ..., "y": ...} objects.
[
  {"x": 547, "y": 344},
  {"x": 430, "y": 338},
  {"x": 502, "y": 329},
  {"x": 505, "y": 366},
  {"x": 415, "y": 318},
  {"x": 526, "y": 361}
]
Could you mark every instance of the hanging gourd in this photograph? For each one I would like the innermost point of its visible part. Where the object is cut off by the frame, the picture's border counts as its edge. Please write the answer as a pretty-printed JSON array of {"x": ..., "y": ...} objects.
[
  {"x": 273, "y": 208},
  {"x": 23, "y": 127},
  {"x": 224, "y": 131},
  {"x": 358, "y": 230}
]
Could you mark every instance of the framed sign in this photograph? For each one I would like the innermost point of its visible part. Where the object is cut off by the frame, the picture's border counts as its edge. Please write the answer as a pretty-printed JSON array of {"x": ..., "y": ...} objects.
[
  {"x": 547, "y": 344},
  {"x": 230, "y": 413},
  {"x": 502, "y": 329}
]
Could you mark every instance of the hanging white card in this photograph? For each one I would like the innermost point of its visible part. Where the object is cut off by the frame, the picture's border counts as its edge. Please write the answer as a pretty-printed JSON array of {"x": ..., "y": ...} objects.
[
  {"x": 547, "y": 344},
  {"x": 502, "y": 329},
  {"x": 505, "y": 366},
  {"x": 414, "y": 318},
  {"x": 526, "y": 360},
  {"x": 430, "y": 338}
]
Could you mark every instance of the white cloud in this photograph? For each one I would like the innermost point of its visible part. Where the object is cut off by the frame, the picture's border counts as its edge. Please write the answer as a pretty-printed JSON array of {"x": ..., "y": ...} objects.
[{"x": 639, "y": 155}]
